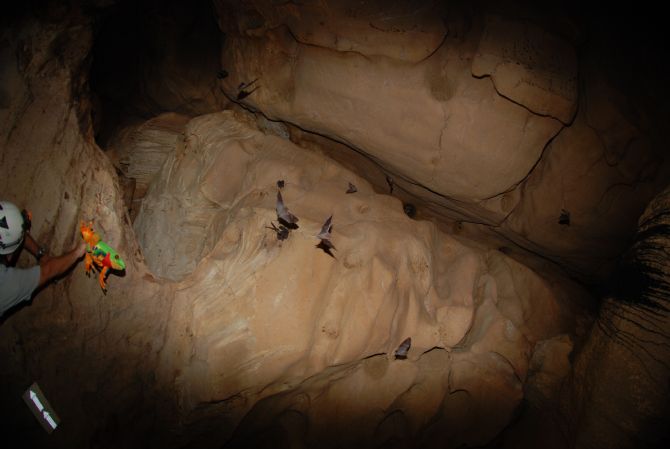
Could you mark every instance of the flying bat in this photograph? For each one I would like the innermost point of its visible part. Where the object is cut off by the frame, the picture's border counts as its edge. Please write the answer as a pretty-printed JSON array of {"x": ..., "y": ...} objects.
[
  {"x": 325, "y": 243},
  {"x": 403, "y": 349},
  {"x": 352, "y": 188},
  {"x": 282, "y": 231},
  {"x": 285, "y": 217}
]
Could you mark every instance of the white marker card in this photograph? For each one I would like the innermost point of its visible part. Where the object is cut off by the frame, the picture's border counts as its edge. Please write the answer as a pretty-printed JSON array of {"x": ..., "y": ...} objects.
[{"x": 38, "y": 404}]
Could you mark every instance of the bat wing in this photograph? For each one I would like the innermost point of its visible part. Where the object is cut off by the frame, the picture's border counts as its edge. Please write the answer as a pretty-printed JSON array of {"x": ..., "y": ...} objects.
[
  {"x": 403, "y": 349},
  {"x": 325, "y": 229},
  {"x": 326, "y": 246},
  {"x": 287, "y": 216},
  {"x": 282, "y": 211}
]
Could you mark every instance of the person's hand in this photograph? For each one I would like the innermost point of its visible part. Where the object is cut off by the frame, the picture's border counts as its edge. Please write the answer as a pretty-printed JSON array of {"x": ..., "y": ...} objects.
[
  {"x": 80, "y": 250},
  {"x": 52, "y": 267}
]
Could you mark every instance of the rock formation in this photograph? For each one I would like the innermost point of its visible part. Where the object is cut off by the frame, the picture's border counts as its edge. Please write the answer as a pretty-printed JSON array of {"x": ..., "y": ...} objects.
[
  {"x": 524, "y": 162},
  {"x": 476, "y": 113}
]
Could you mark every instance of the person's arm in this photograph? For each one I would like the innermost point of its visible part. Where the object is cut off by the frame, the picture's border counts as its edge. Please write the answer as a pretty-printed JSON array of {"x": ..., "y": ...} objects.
[
  {"x": 30, "y": 244},
  {"x": 50, "y": 267}
]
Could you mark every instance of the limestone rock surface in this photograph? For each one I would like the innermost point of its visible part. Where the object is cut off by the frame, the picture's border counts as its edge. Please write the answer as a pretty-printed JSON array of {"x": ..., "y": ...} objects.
[
  {"x": 530, "y": 66},
  {"x": 265, "y": 317},
  {"x": 428, "y": 120},
  {"x": 220, "y": 335},
  {"x": 475, "y": 131}
]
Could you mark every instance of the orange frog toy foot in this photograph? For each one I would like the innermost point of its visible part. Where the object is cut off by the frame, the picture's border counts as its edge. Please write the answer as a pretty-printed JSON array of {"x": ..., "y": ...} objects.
[{"x": 100, "y": 254}]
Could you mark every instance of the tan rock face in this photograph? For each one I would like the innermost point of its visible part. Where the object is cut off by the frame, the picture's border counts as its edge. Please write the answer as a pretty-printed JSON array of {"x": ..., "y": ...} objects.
[
  {"x": 530, "y": 66},
  {"x": 395, "y": 29},
  {"x": 429, "y": 121},
  {"x": 585, "y": 195},
  {"x": 140, "y": 151},
  {"x": 221, "y": 334},
  {"x": 467, "y": 130},
  {"x": 266, "y": 315}
]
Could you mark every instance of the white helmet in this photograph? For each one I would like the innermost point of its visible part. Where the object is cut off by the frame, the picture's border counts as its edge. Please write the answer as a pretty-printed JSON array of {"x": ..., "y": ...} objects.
[{"x": 11, "y": 227}]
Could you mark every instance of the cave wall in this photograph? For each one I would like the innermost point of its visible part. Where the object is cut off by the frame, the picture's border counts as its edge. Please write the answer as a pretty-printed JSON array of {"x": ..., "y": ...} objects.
[
  {"x": 263, "y": 328},
  {"x": 92, "y": 354},
  {"x": 618, "y": 389},
  {"x": 204, "y": 343},
  {"x": 505, "y": 119}
]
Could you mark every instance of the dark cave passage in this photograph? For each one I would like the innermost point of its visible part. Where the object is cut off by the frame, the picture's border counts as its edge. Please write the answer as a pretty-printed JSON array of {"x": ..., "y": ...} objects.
[{"x": 151, "y": 57}]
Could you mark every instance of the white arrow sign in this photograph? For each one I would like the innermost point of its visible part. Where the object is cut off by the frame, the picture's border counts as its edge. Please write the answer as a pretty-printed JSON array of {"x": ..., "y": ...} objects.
[{"x": 41, "y": 408}]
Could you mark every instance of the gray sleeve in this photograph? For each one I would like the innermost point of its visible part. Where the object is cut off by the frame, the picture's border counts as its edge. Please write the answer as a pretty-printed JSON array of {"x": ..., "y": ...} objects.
[{"x": 17, "y": 285}]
